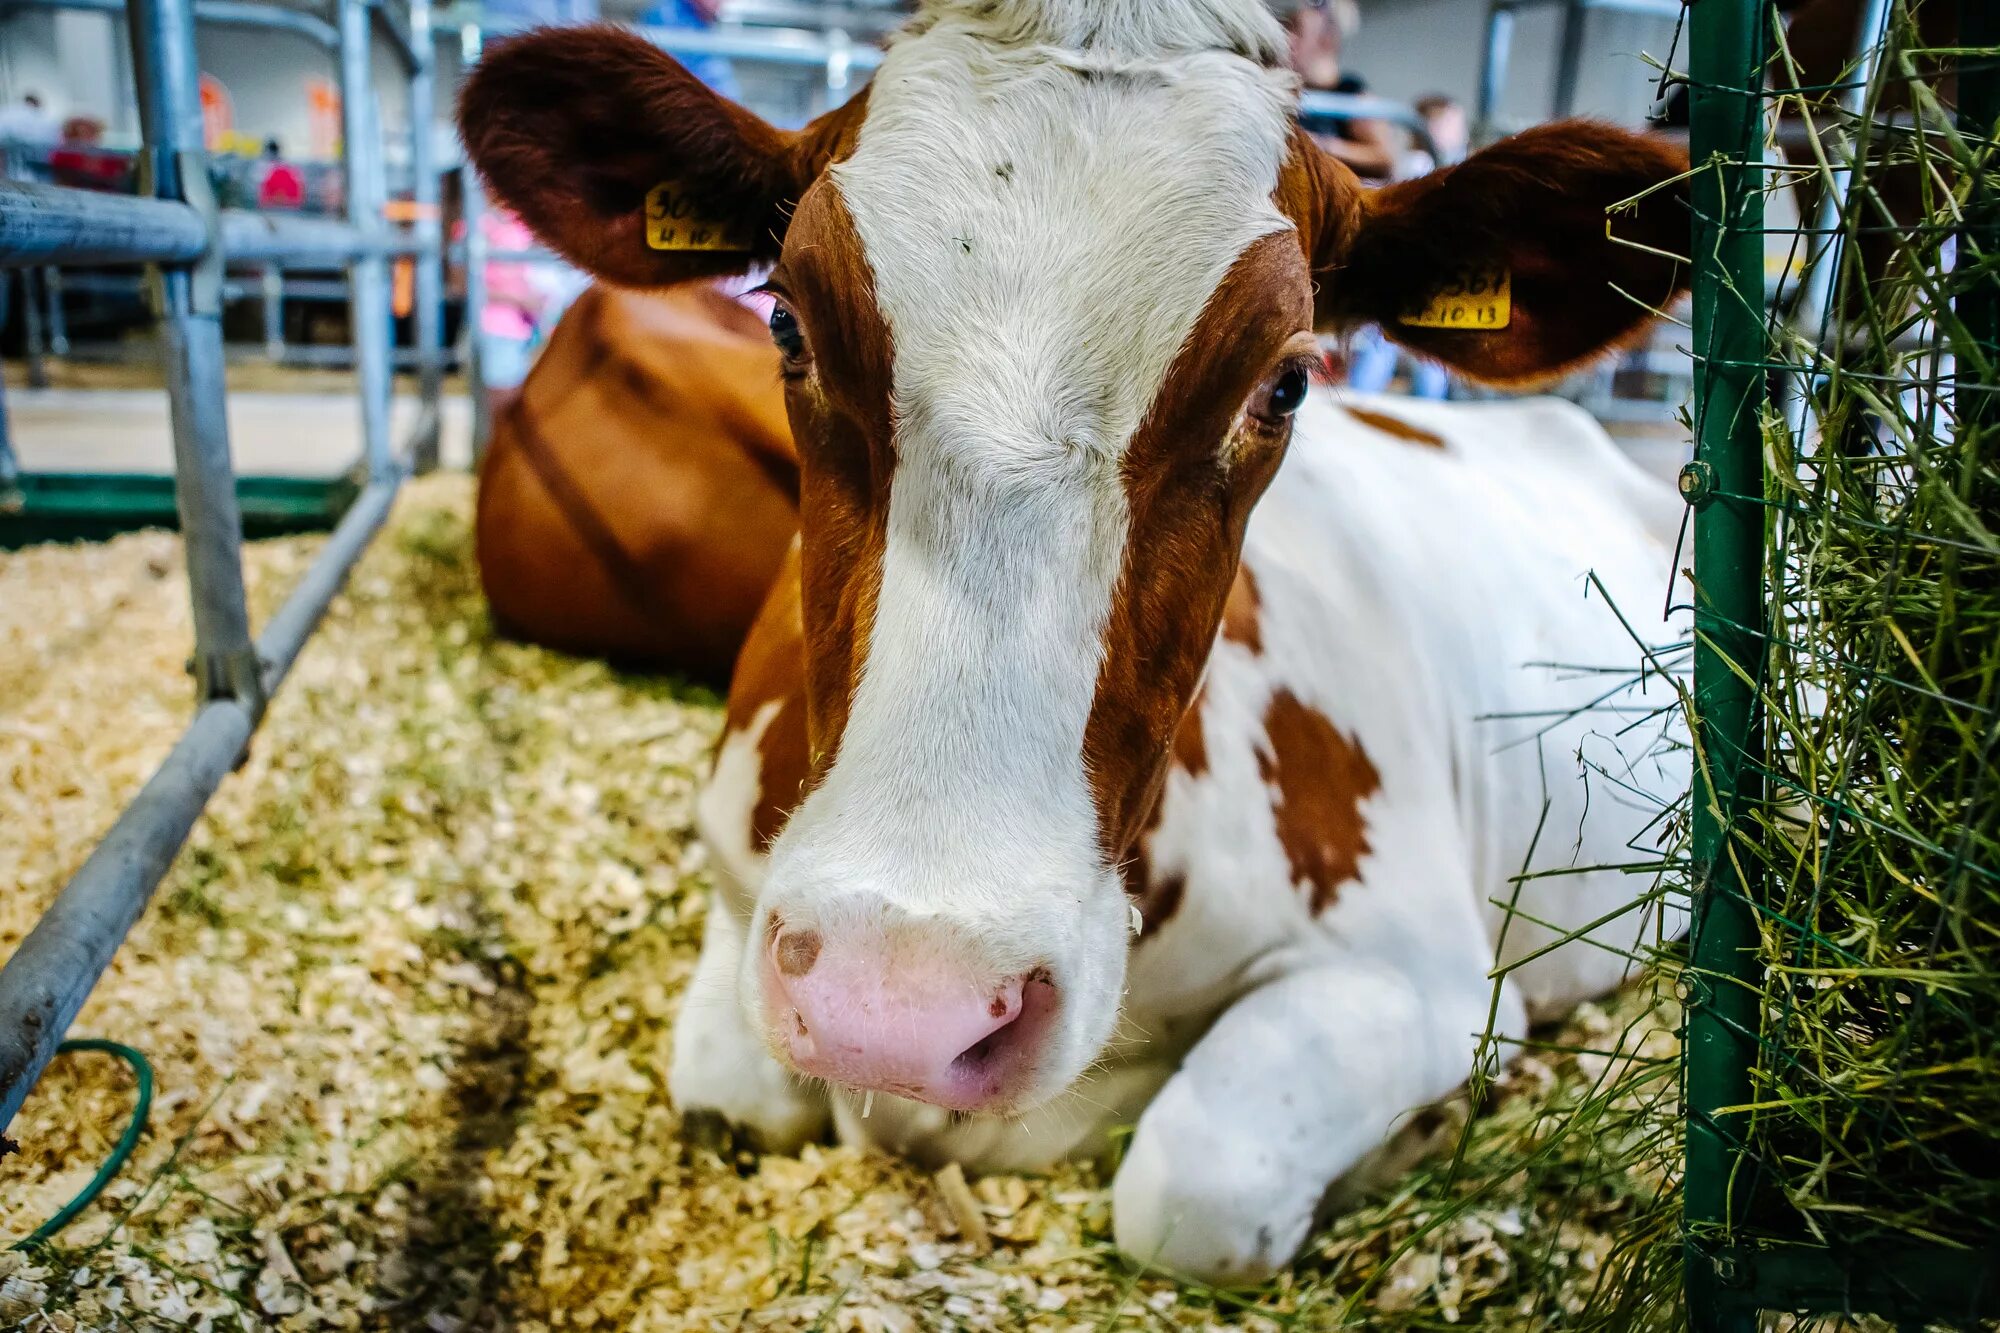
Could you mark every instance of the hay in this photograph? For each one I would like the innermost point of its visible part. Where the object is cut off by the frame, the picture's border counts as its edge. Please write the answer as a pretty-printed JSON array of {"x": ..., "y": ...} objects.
[
  {"x": 409, "y": 993},
  {"x": 1877, "y": 846}
]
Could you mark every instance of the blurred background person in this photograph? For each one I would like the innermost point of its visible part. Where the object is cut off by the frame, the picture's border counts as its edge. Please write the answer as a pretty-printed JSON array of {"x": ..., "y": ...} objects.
[
  {"x": 1449, "y": 125},
  {"x": 27, "y": 124},
  {"x": 1319, "y": 30},
  {"x": 715, "y": 71},
  {"x": 281, "y": 185}
]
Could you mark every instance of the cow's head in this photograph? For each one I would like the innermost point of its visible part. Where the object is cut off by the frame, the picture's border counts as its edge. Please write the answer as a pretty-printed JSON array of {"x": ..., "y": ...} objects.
[{"x": 1047, "y": 296}]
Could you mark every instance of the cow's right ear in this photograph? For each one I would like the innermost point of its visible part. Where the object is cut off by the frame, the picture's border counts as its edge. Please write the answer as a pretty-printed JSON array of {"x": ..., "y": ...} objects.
[{"x": 629, "y": 166}]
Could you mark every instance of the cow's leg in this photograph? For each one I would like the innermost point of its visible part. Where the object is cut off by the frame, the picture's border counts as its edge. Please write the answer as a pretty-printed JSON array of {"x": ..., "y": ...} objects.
[
  {"x": 719, "y": 1064},
  {"x": 1297, "y": 1084}
]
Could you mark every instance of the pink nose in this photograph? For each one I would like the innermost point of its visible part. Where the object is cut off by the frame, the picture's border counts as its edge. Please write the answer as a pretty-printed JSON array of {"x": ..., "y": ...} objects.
[{"x": 924, "y": 1030}]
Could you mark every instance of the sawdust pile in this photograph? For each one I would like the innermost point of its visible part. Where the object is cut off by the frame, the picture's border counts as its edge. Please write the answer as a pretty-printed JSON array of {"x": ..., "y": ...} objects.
[{"x": 409, "y": 994}]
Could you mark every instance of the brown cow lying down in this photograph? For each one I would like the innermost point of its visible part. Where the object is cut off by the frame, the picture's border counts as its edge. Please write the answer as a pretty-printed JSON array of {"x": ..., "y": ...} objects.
[{"x": 639, "y": 494}]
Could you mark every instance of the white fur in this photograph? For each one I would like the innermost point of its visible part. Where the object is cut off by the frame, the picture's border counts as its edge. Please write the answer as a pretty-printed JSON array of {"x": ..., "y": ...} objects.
[
  {"x": 719, "y": 1063},
  {"x": 1409, "y": 594},
  {"x": 1044, "y": 227}
]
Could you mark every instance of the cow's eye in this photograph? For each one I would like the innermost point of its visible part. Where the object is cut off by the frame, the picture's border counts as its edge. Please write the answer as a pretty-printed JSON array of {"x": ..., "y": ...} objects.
[
  {"x": 1281, "y": 395},
  {"x": 788, "y": 335}
]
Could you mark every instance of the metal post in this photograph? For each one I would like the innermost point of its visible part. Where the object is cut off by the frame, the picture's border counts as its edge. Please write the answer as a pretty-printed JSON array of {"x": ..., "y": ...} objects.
[
  {"x": 1816, "y": 301},
  {"x": 1493, "y": 68},
  {"x": 1725, "y": 484},
  {"x": 839, "y": 66},
  {"x": 475, "y": 310},
  {"x": 49, "y": 977},
  {"x": 189, "y": 300},
  {"x": 31, "y": 331},
  {"x": 10, "y": 471},
  {"x": 274, "y": 311},
  {"x": 1569, "y": 59},
  {"x": 52, "y": 289},
  {"x": 429, "y": 321},
  {"x": 368, "y": 274}
]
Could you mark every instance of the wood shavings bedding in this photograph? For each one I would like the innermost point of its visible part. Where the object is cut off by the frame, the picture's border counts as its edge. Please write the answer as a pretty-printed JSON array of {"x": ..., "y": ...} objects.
[{"x": 409, "y": 993}]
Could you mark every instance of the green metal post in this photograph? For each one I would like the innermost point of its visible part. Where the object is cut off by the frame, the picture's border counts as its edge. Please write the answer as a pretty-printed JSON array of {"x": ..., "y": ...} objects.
[{"x": 1727, "y": 42}]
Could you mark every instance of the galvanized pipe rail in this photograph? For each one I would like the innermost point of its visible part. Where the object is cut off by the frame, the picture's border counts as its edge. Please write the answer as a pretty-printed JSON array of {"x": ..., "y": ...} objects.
[
  {"x": 222, "y": 13},
  {"x": 178, "y": 230},
  {"x": 46, "y": 224}
]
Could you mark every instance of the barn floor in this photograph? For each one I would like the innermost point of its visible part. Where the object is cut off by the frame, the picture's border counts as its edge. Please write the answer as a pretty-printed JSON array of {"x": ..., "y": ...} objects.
[{"x": 409, "y": 995}]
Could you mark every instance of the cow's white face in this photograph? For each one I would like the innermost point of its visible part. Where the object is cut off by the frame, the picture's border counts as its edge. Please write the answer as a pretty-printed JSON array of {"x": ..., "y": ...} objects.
[
  {"x": 1036, "y": 272},
  {"x": 1046, "y": 297}
]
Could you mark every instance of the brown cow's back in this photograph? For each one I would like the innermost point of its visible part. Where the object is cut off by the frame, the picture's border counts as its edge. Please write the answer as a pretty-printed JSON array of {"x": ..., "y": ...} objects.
[{"x": 638, "y": 496}]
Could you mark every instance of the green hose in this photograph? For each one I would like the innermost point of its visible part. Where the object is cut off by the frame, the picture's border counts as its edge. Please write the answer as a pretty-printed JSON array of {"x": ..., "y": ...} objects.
[{"x": 119, "y": 1155}]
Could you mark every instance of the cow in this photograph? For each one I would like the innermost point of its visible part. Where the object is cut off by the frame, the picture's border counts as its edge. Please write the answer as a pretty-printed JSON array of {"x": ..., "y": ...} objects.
[
  {"x": 639, "y": 493},
  {"x": 1134, "y": 736}
]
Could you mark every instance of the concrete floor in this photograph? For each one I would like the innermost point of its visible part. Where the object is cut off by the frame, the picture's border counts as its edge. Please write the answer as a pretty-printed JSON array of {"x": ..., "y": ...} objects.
[{"x": 313, "y": 434}]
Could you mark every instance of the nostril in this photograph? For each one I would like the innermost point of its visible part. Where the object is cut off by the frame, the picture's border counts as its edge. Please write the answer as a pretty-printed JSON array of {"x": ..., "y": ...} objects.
[
  {"x": 981, "y": 1052},
  {"x": 795, "y": 951},
  {"x": 1016, "y": 1010}
]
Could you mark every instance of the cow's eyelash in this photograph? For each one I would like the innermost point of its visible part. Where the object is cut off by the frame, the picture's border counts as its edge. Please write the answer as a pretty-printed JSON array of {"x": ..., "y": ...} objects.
[{"x": 1311, "y": 364}]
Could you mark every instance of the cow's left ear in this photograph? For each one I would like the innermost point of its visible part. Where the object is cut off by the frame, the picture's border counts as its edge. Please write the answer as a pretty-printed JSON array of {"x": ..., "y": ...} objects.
[{"x": 1512, "y": 266}]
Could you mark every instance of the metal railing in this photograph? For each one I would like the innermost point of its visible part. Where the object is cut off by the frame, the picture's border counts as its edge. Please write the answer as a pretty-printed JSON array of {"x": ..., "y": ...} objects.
[{"x": 178, "y": 231}]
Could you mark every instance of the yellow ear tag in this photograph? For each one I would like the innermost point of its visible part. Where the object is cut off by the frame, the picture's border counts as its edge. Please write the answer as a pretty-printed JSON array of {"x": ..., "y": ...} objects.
[
  {"x": 675, "y": 221},
  {"x": 1473, "y": 298}
]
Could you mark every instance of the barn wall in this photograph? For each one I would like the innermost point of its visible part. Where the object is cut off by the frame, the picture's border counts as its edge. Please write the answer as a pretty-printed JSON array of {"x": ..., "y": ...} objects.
[
  {"x": 76, "y": 61},
  {"x": 265, "y": 73},
  {"x": 80, "y": 63}
]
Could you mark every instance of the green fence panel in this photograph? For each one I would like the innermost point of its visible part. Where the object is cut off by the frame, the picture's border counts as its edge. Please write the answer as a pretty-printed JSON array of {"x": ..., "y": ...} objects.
[{"x": 1841, "y": 1071}]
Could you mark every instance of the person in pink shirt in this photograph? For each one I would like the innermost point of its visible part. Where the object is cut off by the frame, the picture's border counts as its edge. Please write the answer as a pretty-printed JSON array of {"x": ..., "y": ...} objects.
[{"x": 282, "y": 186}]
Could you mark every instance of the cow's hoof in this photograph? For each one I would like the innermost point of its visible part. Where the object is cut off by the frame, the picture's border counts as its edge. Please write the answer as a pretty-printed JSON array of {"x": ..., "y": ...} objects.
[
  {"x": 756, "y": 1108},
  {"x": 709, "y": 1131}
]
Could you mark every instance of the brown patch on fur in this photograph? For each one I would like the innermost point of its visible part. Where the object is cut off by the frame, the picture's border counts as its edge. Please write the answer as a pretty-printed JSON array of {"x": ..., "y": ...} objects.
[
  {"x": 784, "y": 771},
  {"x": 1322, "y": 778},
  {"x": 1190, "y": 741},
  {"x": 770, "y": 670},
  {"x": 1322, "y": 196},
  {"x": 1189, "y": 500},
  {"x": 1239, "y": 613},
  {"x": 1395, "y": 426},
  {"x": 573, "y": 126},
  {"x": 840, "y": 417}
]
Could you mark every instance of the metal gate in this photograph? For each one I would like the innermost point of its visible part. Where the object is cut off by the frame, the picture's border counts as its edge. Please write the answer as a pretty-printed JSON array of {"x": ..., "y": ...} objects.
[{"x": 179, "y": 232}]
